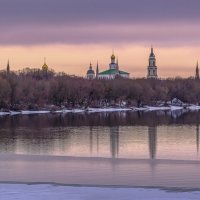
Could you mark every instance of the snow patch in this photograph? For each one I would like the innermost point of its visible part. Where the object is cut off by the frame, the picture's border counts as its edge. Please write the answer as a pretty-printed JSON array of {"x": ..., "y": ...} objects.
[
  {"x": 194, "y": 107},
  {"x": 141, "y": 109},
  {"x": 78, "y": 110},
  {"x": 14, "y": 113},
  {"x": 96, "y": 110},
  {"x": 157, "y": 108},
  {"x": 28, "y": 112},
  {"x": 4, "y": 113},
  {"x": 108, "y": 109},
  {"x": 173, "y": 108}
]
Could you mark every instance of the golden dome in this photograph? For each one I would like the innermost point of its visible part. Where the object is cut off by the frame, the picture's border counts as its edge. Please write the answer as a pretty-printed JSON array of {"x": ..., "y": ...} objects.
[
  {"x": 113, "y": 57},
  {"x": 45, "y": 67}
]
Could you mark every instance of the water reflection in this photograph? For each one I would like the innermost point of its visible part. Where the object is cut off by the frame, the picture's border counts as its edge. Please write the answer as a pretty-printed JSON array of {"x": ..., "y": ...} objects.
[
  {"x": 102, "y": 119},
  {"x": 152, "y": 133},
  {"x": 115, "y": 135},
  {"x": 114, "y": 141},
  {"x": 197, "y": 138}
]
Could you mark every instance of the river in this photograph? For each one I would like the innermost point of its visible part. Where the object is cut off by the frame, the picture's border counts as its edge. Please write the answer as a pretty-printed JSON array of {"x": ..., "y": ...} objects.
[{"x": 122, "y": 149}]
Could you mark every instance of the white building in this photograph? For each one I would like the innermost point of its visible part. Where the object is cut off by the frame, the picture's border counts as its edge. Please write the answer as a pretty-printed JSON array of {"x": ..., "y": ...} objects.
[
  {"x": 90, "y": 73},
  {"x": 152, "y": 68},
  {"x": 113, "y": 71}
]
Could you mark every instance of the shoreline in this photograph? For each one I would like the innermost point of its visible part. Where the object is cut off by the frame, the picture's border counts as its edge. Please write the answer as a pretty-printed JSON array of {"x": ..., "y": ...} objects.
[
  {"x": 62, "y": 192},
  {"x": 166, "y": 189},
  {"x": 35, "y": 157},
  {"x": 101, "y": 110}
]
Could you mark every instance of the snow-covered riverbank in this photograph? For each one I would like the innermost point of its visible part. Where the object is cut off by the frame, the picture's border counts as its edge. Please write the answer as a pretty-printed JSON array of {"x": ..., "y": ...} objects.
[{"x": 108, "y": 109}]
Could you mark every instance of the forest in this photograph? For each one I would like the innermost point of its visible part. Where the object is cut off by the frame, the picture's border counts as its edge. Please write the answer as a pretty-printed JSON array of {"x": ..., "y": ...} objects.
[{"x": 35, "y": 89}]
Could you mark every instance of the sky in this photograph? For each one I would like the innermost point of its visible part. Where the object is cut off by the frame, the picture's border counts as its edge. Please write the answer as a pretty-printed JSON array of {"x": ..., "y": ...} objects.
[{"x": 73, "y": 33}]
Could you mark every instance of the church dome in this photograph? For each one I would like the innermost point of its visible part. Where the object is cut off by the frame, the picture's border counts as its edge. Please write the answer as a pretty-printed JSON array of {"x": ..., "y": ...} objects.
[
  {"x": 113, "y": 57},
  {"x": 45, "y": 67},
  {"x": 90, "y": 71}
]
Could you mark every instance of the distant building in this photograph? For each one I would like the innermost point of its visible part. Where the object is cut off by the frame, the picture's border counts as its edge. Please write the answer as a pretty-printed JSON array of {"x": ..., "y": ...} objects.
[
  {"x": 97, "y": 70},
  {"x": 113, "y": 71},
  {"x": 152, "y": 68},
  {"x": 90, "y": 73},
  {"x": 45, "y": 66},
  {"x": 8, "y": 68},
  {"x": 197, "y": 72}
]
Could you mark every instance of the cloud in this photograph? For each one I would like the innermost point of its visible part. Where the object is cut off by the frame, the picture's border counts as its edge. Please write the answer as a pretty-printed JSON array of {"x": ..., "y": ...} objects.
[
  {"x": 104, "y": 11},
  {"x": 114, "y": 35},
  {"x": 32, "y": 22}
]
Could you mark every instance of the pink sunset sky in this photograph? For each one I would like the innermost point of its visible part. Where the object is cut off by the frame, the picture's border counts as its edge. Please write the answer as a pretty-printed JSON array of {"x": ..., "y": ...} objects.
[{"x": 73, "y": 33}]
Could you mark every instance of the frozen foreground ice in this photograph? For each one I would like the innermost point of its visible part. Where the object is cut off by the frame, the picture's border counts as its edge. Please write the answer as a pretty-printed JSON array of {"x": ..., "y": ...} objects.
[
  {"x": 54, "y": 192},
  {"x": 99, "y": 171}
]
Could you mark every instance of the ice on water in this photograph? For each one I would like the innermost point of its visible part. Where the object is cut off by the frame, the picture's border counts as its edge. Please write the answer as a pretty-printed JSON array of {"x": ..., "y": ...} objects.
[{"x": 55, "y": 192}]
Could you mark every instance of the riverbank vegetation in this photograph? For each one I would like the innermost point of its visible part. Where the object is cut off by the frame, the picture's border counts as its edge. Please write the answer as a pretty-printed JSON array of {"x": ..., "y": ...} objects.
[{"x": 35, "y": 89}]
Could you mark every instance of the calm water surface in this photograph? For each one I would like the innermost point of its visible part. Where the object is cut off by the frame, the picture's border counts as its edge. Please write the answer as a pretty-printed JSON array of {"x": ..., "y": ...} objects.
[{"x": 157, "y": 135}]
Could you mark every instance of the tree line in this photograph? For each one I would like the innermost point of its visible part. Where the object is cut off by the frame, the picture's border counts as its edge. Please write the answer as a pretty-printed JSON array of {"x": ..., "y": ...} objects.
[{"x": 34, "y": 89}]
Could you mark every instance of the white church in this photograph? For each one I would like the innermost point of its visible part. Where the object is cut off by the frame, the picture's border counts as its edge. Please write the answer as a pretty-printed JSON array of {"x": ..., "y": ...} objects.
[
  {"x": 152, "y": 68},
  {"x": 114, "y": 70}
]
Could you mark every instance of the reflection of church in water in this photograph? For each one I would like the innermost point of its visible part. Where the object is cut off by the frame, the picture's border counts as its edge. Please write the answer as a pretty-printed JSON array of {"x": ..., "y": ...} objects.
[
  {"x": 197, "y": 138},
  {"x": 152, "y": 136},
  {"x": 114, "y": 141},
  {"x": 114, "y": 135}
]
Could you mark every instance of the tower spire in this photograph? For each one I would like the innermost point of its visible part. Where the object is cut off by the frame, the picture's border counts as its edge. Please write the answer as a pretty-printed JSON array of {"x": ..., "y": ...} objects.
[
  {"x": 152, "y": 68},
  {"x": 90, "y": 73},
  {"x": 45, "y": 66},
  {"x": 152, "y": 52},
  {"x": 97, "y": 69},
  {"x": 117, "y": 63},
  {"x": 8, "y": 67},
  {"x": 197, "y": 71}
]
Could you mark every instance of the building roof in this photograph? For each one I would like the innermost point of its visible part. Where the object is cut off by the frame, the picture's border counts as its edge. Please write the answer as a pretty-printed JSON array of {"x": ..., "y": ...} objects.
[
  {"x": 152, "y": 53},
  {"x": 45, "y": 67},
  {"x": 113, "y": 56},
  {"x": 90, "y": 71},
  {"x": 122, "y": 72},
  {"x": 112, "y": 71}
]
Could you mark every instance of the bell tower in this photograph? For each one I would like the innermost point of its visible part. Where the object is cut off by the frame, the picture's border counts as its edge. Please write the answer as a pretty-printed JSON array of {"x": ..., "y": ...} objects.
[
  {"x": 8, "y": 68},
  {"x": 152, "y": 68},
  {"x": 197, "y": 72}
]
